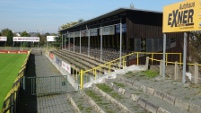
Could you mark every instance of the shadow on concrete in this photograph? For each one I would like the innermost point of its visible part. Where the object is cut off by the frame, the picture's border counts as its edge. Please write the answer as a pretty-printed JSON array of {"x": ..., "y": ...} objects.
[{"x": 28, "y": 102}]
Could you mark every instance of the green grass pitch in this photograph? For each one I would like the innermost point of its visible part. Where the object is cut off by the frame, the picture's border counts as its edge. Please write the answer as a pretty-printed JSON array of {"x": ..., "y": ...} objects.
[{"x": 10, "y": 65}]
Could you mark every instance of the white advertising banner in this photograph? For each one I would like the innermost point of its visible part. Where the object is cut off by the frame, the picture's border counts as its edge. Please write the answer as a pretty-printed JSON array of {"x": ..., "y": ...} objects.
[
  {"x": 84, "y": 33},
  {"x": 77, "y": 34},
  {"x": 3, "y": 38},
  {"x": 66, "y": 67},
  {"x": 108, "y": 30},
  {"x": 51, "y": 38},
  {"x": 26, "y": 39},
  {"x": 94, "y": 32}
]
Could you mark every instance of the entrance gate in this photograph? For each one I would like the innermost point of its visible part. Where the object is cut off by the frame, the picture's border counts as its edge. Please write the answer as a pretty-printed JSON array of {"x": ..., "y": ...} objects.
[{"x": 46, "y": 85}]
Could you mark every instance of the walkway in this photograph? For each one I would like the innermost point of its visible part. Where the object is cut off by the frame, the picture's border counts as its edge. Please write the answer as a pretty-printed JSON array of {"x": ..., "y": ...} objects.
[{"x": 40, "y": 66}]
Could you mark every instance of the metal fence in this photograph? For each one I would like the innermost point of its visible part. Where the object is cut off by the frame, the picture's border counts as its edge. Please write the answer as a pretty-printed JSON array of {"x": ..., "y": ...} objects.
[{"x": 46, "y": 85}]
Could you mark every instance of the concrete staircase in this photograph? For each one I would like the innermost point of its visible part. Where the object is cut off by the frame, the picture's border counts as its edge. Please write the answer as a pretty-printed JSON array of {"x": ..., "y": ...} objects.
[{"x": 127, "y": 95}]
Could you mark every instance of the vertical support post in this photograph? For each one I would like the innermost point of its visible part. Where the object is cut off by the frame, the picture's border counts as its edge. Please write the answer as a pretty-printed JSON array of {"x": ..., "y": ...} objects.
[
  {"x": 81, "y": 79},
  {"x": 88, "y": 41},
  {"x": 101, "y": 43},
  {"x": 120, "y": 47},
  {"x": 184, "y": 58},
  {"x": 152, "y": 58},
  {"x": 66, "y": 39},
  {"x": 180, "y": 59},
  {"x": 124, "y": 62},
  {"x": 166, "y": 57},
  {"x": 161, "y": 68},
  {"x": 69, "y": 42},
  {"x": 62, "y": 41},
  {"x": 76, "y": 74},
  {"x": 164, "y": 51},
  {"x": 73, "y": 44},
  {"x": 196, "y": 73},
  {"x": 147, "y": 63},
  {"x": 80, "y": 42},
  {"x": 24, "y": 83},
  {"x": 137, "y": 58},
  {"x": 95, "y": 73},
  {"x": 47, "y": 45},
  {"x": 176, "y": 71}
]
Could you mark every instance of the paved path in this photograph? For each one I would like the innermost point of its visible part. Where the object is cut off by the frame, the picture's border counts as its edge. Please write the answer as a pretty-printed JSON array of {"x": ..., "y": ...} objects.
[{"x": 55, "y": 103}]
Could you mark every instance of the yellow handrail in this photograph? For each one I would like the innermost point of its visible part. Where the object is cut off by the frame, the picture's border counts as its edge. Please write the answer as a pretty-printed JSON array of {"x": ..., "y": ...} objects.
[
  {"x": 190, "y": 64},
  {"x": 122, "y": 64}
]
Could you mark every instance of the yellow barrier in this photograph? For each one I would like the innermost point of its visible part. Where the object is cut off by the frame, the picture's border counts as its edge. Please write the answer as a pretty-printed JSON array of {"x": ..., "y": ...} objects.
[
  {"x": 166, "y": 62},
  {"x": 119, "y": 63}
]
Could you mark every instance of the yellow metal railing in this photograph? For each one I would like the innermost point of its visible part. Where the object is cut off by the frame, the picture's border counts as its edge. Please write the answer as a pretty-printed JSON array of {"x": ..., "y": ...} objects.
[
  {"x": 173, "y": 63},
  {"x": 114, "y": 64}
]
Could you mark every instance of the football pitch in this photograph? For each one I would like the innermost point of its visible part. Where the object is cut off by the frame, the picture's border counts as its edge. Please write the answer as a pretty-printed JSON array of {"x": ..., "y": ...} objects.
[{"x": 10, "y": 65}]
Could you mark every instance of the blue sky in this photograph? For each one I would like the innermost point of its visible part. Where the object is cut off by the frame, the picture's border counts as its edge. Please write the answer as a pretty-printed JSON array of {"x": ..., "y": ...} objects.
[{"x": 48, "y": 15}]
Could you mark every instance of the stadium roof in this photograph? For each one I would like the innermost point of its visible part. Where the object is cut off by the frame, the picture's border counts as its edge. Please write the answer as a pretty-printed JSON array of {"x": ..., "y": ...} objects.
[{"x": 117, "y": 11}]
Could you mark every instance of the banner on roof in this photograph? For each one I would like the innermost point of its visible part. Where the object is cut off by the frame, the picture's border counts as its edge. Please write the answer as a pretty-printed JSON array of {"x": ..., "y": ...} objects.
[
  {"x": 77, "y": 34},
  {"x": 84, "y": 33},
  {"x": 108, "y": 30},
  {"x": 182, "y": 16},
  {"x": 66, "y": 67},
  {"x": 3, "y": 38},
  {"x": 51, "y": 38},
  {"x": 26, "y": 39},
  {"x": 123, "y": 28},
  {"x": 72, "y": 34},
  {"x": 94, "y": 32}
]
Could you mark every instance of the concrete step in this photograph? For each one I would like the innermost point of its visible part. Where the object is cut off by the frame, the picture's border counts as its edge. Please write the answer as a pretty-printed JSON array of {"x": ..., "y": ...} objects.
[
  {"x": 184, "y": 96},
  {"x": 125, "y": 104},
  {"x": 102, "y": 102},
  {"x": 74, "y": 63},
  {"x": 148, "y": 101},
  {"x": 80, "y": 104}
]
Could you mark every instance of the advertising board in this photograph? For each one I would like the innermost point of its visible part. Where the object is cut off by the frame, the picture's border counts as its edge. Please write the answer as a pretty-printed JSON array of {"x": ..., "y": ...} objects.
[
  {"x": 51, "y": 38},
  {"x": 94, "y": 32},
  {"x": 182, "y": 16},
  {"x": 123, "y": 28},
  {"x": 3, "y": 38},
  {"x": 108, "y": 30},
  {"x": 26, "y": 39},
  {"x": 66, "y": 67}
]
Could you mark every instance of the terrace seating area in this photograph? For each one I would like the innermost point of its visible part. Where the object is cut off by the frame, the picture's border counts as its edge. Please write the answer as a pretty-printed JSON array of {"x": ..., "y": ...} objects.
[
  {"x": 107, "y": 54},
  {"x": 82, "y": 61}
]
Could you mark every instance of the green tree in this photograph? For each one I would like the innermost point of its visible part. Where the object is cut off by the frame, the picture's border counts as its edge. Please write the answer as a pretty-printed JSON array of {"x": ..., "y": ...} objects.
[
  {"x": 58, "y": 42},
  {"x": 67, "y": 25},
  {"x": 9, "y": 34},
  {"x": 25, "y": 34}
]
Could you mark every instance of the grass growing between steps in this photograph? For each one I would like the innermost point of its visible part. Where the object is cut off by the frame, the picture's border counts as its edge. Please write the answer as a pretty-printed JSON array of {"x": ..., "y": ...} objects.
[
  {"x": 93, "y": 96},
  {"x": 109, "y": 90},
  {"x": 148, "y": 73},
  {"x": 119, "y": 84},
  {"x": 99, "y": 101}
]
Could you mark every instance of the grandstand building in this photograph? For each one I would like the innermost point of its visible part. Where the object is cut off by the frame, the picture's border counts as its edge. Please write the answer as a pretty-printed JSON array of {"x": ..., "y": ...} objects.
[{"x": 120, "y": 32}]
